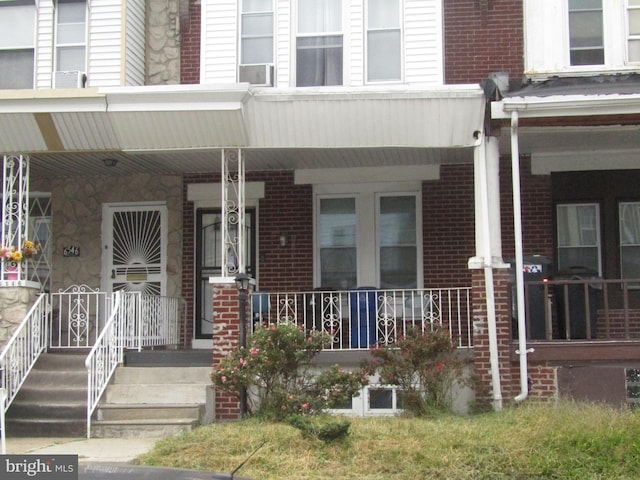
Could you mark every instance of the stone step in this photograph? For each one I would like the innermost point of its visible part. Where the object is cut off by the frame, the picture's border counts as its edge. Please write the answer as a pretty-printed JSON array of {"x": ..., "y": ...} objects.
[
  {"x": 155, "y": 393},
  {"x": 141, "y": 428},
  {"x": 120, "y": 412},
  {"x": 167, "y": 375},
  {"x": 47, "y": 427}
]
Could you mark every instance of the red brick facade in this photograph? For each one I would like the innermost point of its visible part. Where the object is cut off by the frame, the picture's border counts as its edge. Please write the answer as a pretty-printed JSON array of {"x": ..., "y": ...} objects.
[
  {"x": 190, "y": 45},
  {"x": 480, "y": 37}
]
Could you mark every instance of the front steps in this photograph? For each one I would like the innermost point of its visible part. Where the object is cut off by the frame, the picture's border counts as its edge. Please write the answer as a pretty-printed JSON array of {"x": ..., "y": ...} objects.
[
  {"x": 154, "y": 401},
  {"x": 53, "y": 400},
  {"x": 154, "y": 398}
]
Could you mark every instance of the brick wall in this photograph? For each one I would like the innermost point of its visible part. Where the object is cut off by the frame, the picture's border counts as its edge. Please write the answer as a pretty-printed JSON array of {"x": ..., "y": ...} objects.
[
  {"x": 190, "y": 46},
  {"x": 480, "y": 37}
]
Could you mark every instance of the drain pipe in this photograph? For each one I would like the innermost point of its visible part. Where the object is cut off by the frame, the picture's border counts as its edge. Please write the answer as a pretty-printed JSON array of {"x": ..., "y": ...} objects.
[
  {"x": 488, "y": 278},
  {"x": 522, "y": 350}
]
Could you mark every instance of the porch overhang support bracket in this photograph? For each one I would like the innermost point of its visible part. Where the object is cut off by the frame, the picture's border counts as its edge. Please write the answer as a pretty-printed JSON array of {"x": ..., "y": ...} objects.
[
  {"x": 15, "y": 210},
  {"x": 233, "y": 253}
]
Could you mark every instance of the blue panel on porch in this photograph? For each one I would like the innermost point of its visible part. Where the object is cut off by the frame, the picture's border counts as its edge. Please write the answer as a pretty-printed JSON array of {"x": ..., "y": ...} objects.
[
  {"x": 363, "y": 317},
  {"x": 260, "y": 306}
]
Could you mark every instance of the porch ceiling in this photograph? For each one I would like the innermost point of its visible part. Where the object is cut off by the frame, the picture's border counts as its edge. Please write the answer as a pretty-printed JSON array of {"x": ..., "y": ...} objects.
[{"x": 182, "y": 128}]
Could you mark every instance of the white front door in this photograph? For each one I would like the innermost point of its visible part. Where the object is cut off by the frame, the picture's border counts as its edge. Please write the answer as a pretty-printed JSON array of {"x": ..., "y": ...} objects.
[{"x": 134, "y": 247}]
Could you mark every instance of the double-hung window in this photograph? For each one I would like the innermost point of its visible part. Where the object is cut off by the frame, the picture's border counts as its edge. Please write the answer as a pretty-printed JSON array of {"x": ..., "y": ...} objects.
[
  {"x": 579, "y": 245},
  {"x": 384, "y": 40},
  {"x": 368, "y": 239},
  {"x": 586, "y": 33},
  {"x": 629, "y": 220},
  {"x": 633, "y": 41},
  {"x": 71, "y": 35},
  {"x": 319, "y": 43},
  {"x": 17, "y": 44},
  {"x": 256, "y": 45}
]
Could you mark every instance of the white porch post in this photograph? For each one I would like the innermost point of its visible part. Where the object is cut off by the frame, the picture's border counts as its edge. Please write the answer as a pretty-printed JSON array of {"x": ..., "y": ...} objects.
[
  {"x": 233, "y": 213},
  {"x": 15, "y": 208}
]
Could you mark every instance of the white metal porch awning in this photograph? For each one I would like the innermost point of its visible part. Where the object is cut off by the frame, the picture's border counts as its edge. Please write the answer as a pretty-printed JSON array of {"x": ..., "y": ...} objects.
[{"x": 186, "y": 119}]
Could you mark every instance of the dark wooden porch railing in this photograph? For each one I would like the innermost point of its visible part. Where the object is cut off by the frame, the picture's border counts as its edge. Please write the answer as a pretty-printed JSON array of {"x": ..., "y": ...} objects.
[{"x": 587, "y": 308}]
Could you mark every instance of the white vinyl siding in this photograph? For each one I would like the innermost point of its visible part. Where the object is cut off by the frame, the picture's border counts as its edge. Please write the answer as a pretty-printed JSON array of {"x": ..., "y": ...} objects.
[
  {"x": 423, "y": 58},
  {"x": 105, "y": 43},
  {"x": 44, "y": 45},
  {"x": 421, "y": 55},
  {"x": 219, "y": 49},
  {"x": 547, "y": 38},
  {"x": 135, "y": 68}
]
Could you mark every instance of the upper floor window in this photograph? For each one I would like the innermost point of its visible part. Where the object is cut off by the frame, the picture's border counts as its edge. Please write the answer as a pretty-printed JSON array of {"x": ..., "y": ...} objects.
[
  {"x": 256, "y": 46},
  {"x": 17, "y": 42},
  {"x": 586, "y": 37},
  {"x": 578, "y": 226},
  {"x": 633, "y": 13},
  {"x": 71, "y": 34},
  {"x": 319, "y": 44},
  {"x": 384, "y": 40},
  {"x": 629, "y": 218}
]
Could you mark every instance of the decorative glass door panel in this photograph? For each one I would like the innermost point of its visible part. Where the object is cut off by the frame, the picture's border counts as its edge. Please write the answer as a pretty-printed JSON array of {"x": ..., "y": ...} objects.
[
  {"x": 209, "y": 262},
  {"x": 136, "y": 248}
]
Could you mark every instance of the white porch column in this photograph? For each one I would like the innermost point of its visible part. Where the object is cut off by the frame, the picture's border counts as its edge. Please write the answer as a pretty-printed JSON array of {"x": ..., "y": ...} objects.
[
  {"x": 233, "y": 213},
  {"x": 15, "y": 211},
  {"x": 491, "y": 193}
]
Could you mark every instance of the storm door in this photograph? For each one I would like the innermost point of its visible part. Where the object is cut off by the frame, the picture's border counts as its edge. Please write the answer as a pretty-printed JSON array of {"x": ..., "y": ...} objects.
[
  {"x": 134, "y": 254},
  {"x": 209, "y": 262}
]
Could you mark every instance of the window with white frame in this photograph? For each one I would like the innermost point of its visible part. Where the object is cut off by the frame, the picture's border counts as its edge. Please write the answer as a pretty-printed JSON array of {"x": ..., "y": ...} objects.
[
  {"x": 384, "y": 40},
  {"x": 17, "y": 44},
  {"x": 256, "y": 43},
  {"x": 319, "y": 43},
  {"x": 586, "y": 34},
  {"x": 629, "y": 220},
  {"x": 578, "y": 226},
  {"x": 71, "y": 35},
  {"x": 368, "y": 239},
  {"x": 633, "y": 42}
]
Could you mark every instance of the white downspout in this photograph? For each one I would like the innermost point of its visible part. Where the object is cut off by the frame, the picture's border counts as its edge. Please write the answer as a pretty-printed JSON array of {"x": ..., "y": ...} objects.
[
  {"x": 517, "y": 231},
  {"x": 488, "y": 278}
]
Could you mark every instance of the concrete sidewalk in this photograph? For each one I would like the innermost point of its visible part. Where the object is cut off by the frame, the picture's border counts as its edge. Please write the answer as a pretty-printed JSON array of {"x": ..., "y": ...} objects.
[{"x": 118, "y": 450}]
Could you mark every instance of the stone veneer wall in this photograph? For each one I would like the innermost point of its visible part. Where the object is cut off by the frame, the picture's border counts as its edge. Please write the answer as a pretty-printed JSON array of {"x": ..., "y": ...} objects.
[
  {"x": 163, "y": 42},
  {"x": 77, "y": 220},
  {"x": 15, "y": 302}
]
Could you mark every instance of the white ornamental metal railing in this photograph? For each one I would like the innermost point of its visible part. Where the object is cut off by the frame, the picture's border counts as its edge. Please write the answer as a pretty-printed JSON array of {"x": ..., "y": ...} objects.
[
  {"x": 152, "y": 321},
  {"x": 22, "y": 350},
  {"x": 78, "y": 314},
  {"x": 107, "y": 353},
  {"x": 362, "y": 318}
]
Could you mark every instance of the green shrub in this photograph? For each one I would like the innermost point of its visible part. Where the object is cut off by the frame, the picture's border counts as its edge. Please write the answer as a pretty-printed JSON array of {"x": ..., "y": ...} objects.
[
  {"x": 424, "y": 365},
  {"x": 275, "y": 368}
]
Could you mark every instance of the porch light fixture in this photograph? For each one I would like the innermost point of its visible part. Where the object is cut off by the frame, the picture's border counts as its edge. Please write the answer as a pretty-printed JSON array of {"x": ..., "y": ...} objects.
[
  {"x": 110, "y": 162},
  {"x": 242, "y": 282}
]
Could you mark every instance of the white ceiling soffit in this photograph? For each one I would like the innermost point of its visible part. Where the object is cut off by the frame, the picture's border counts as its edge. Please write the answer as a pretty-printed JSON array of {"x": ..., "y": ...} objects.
[{"x": 366, "y": 117}]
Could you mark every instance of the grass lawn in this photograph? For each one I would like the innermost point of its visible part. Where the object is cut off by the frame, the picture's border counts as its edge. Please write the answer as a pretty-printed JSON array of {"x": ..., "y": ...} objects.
[{"x": 557, "y": 441}]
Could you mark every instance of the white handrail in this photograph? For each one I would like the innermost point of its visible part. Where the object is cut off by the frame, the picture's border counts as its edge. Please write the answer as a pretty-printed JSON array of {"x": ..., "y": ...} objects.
[
  {"x": 3, "y": 435},
  {"x": 104, "y": 357},
  {"x": 23, "y": 349}
]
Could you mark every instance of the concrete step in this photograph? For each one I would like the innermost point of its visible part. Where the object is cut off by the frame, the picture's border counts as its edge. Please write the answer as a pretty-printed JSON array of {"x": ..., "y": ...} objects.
[
  {"x": 156, "y": 393},
  {"x": 141, "y": 428},
  {"x": 46, "y": 427},
  {"x": 59, "y": 392},
  {"x": 163, "y": 376},
  {"x": 117, "y": 412},
  {"x": 168, "y": 358},
  {"x": 49, "y": 410}
]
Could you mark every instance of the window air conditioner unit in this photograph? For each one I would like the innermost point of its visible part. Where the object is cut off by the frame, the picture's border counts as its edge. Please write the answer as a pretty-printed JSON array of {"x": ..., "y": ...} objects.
[
  {"x": 261, "y": 75},
  {"x": 69, "y": 79}
]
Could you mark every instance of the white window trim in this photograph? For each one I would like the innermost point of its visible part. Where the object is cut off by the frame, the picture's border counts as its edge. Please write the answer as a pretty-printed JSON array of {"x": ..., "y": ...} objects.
[
  {"x": 598, "y": 229},
  {"x": 366, "y": 47},
  {"x": 345, "y": 44},
  {"x": 367, "y": 243},
  {"x": 273, "y": 36},
  {"x": 84, "y": 44}
]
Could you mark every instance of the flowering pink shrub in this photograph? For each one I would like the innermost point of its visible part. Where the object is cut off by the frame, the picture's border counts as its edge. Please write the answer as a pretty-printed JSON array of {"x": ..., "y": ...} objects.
[
  {"x": 275, "y": 368},
  {"x": 425, "y": 365}
]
